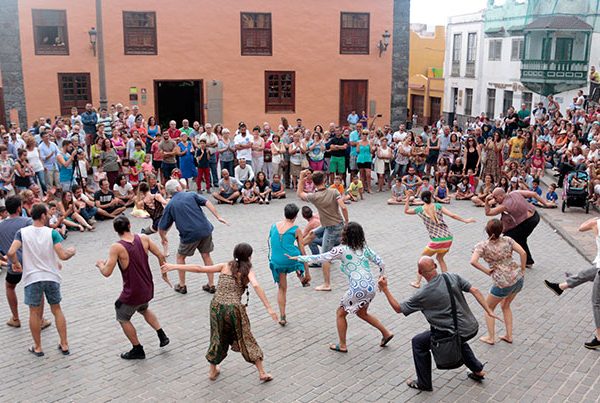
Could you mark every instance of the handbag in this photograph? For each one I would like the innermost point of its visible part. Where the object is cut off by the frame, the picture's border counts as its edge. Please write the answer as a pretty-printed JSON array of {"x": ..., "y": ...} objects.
[
  {"x": 447, "y": 351},
  {"x": 304, "y": 164}
]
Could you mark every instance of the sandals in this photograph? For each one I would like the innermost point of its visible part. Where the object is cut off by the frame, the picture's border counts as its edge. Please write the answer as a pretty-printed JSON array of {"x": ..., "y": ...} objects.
[
  {"x": 475, "y": 377},
  {"x": 266, "y": 378},
  {"x": 282, "y": 321},
  {"x": 386, "y": 340},
  {"x": 415, "y": 385},
  {"x": 209, "y": 288},
  {"x": 181, "y": 289},
  {"x": 64, "y": 352},
  {"x": 336, "y": 347},
  {"x": 36, "y": 353}
]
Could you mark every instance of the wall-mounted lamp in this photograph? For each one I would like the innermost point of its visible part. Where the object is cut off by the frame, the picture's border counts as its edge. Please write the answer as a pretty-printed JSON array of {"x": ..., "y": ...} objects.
[
  {"x": 93, "y": 33},
  {"x": 383, "y": 43}
]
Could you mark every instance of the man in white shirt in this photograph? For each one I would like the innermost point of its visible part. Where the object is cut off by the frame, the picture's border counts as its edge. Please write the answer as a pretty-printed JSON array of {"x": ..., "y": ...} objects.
[
  {"x": 42, "y": 249},
  {"x": 135, "y": 110},
  {"x": 244, "y": 171},
  {"x": 243, "y": 143},
  {"x": 580, "y": 100},
  {"x": 212, "y": 141},
  {"x": 401, "y": 134}
]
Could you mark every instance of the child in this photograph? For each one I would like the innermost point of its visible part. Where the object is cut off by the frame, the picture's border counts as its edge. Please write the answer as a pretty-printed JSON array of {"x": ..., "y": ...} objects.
[
  {"x": 338, "y": 185},
  {"x": 202, "y": 157},
  {"x": 355, "y": 190},
  {"x": 473, "y": 181},
  {"x": 277, "y": 190},
  {"x": 538, "y": 163},
  {"x": 147, "y": 167},
  {"x": 126, "y": 167},
  {"x": 285, "y": 241},
  {"x": 81, "y": 174},
  {"x": 355, "y": 256},
  {"x": 425, "y": 185},
  {"x": 537, "y": 189},
  {"x": 398, "y": 192},
  {"x": 176, "y": 174},
  {"x": 441, "y": 194},
  {"x": 262, "y": 189},
  {"x": 138, "y": 156},
  {"x": 309, "y": 186},
  {"x": 134, "y": 175},
  {"x": 231, "y": 319},
  {"x": 56, "y": 220},
  {"x": 551, "y": 195},
  {"x": 3, "y": 213},
  {"x": 464, "y": 190},
  {"x": 248, "y": 195}
]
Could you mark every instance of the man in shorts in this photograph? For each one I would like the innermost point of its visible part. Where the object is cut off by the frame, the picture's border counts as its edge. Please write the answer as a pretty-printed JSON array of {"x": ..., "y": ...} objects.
[
  {"x": 42, "y": 246},
  {"x": 8, "y": 229},
  {"x": 337, "y": 163},
  {"x": 169, "y": 149},
  {"x": 328, "y": 202},
  {"x": 131, "y": 253},
  {"x": 195, "y": 231}
]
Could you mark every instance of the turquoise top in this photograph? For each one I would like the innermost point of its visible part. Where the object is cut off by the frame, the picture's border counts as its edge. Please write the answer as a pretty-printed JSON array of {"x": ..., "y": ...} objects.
[
  {"x": 65, "y": 174},
  {"x": 364, "y": 154},
  {"x": 280, "y": 246}
]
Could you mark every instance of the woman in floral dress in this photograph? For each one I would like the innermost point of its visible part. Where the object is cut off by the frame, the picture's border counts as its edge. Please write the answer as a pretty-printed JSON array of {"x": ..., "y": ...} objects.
[
  {"x": 229, "y": 323},
  {"x": 493, "y": 157},
  {"x": 507, "y": 275},
  {"x": 355, "y": 256}
]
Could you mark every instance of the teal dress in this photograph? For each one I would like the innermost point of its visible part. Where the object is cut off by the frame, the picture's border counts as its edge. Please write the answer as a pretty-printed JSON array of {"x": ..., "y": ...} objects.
[
  {"x": 364, "y": 154},
  {"x": 281, "y": 245}
]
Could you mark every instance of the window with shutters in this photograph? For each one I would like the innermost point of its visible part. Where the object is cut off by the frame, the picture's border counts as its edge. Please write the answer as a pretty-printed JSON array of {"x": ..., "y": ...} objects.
[
  {"x": 280, "y": 91},
  {"x": 256, "y": 34},
  {"x": 139, "y": 32},
  {"x": 491, "y": 103},
  {"x": 50, "y": 32},
  {"x": 354, "y": 33},
  {"x": 74, "y": 91},
  {"x": 468, "y": 101},
  {"x": 456, "y": 51},
  {"x": 495, "y": 50},
  {"x": 516, "y": 51}
]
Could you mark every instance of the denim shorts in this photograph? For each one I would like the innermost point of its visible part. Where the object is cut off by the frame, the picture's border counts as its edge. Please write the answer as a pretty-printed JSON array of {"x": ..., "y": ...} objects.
[
  {"x": 34, "y": 293},
  {"x": 332, "y": 236},
  {"x": 507, "y": 291}
]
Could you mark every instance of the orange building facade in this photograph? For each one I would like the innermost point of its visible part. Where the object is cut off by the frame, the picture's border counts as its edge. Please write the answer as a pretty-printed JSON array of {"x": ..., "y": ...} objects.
[
  {"x": 425, "y": 71},
  {"x": 225, "y": 61}
]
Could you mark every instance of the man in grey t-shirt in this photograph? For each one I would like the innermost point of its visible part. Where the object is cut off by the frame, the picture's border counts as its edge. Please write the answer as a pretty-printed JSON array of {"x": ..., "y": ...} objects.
[{"x": 434, "y": 301}]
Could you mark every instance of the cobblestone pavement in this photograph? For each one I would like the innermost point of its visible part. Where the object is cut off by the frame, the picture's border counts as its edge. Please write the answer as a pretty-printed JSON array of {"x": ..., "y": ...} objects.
[{"x": 547, "y": 361}]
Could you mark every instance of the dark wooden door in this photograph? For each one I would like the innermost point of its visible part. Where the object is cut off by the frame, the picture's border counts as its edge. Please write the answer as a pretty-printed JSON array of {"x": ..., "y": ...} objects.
[
  {"x": 2, "y": 111},
  {"x": 74, "y": 89},
  {"x": 353, "y": 96},
  {"x": 417, "y": 103},
  {"x": 435, "y": 108}
]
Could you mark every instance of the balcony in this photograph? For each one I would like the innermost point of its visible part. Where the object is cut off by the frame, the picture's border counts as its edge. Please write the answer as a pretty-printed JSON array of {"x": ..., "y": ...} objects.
[
  {"x": 455, "y": 69},
  {"x": 470, "y": 71},
  {"x": 553, "y": 76}
]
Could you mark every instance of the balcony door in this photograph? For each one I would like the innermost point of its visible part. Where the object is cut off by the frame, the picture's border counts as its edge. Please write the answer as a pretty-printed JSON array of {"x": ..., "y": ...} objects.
[
  {"x": 74, "y": 90},
  {"x": 564, "y": 49}
]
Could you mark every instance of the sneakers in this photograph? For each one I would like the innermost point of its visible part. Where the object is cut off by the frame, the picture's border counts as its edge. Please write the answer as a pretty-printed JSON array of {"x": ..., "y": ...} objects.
[
  {"x": 593, "y": 345},
  {"x": 180, "y": 289},
  {"x": 164, "y": 341},
  {"x": 554, "y": 287},
  {"x": 136, "y": 353},
  {"x": 12, "y": 322}
]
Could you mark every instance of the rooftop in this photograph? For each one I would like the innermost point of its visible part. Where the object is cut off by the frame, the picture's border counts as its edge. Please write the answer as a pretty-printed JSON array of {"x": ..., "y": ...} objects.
[{"x": 559, "y": 22}]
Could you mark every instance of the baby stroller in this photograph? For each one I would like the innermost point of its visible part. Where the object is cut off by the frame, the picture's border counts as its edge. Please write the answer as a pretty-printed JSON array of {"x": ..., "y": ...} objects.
[{"x": 575, "y": 193}]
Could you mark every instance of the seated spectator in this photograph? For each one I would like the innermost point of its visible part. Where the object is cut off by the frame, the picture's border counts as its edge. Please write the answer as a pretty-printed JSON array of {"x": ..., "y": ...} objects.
[
  {"x": 398, "y": 193},
  {"x": 485, "y": 189},
  {"x": 243, "y": 172},
  {"x": 85, "y": 205},
  {"x": 277, "y": 188},
  {"x": 229, "y": 189},
  {"x": 56, "y": 221},
  {"x": 124, "y": 191},
  {"x": 262, "y": 189},
  {"x": 248, "y": 195},
  {"x": 464, "y": 190},
  {"x": 442, "y": 193},
  {"x": 551, "y": 195},
  {"x": 411, "y": 180},
  {"x": 425, "y": 186},
  {"x": 107, "y": 202},
  {"x": 69, "y": 210},
  {"x": 355, "y": 189}
]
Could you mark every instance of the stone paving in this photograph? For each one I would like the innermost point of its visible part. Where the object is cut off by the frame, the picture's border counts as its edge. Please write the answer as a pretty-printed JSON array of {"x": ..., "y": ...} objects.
[{"x": 547, "y": 361}]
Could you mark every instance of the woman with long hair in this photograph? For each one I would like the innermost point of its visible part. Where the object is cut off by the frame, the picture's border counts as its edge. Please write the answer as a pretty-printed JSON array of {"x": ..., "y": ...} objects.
[
  {"x": 384, "y": 155},
  {"x": 33, "y": 156},
  {"x": 316, "y": 152},
  {"x": 364, "y": 159},
  {"x": 507, "y": 275},
  {"x": 229, "y": 323},
  {"x": 153, "y": 132},
  {"x": 492, "y": 164},
  {"x": 110, "y": 161},
  {"x": 355, "y": 255},
  {"x": 69, "y": 210},
  {"x": 440, "y": 236}
]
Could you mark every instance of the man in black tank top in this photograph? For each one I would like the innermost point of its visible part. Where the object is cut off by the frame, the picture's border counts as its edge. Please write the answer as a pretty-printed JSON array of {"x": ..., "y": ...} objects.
[{"x": 131, "y": 254}]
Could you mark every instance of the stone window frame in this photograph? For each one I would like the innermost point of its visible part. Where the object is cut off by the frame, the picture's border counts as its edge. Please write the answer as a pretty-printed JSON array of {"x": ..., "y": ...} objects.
[{"x": 50, "y": 18}]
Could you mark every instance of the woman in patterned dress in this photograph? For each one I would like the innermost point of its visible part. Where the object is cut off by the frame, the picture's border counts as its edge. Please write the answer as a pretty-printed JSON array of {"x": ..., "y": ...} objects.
[
  {"x": 432, "y": 215},
  {"x": 355, "y": 256},
  {"x": 229, "y": 323},
  {"x": 493, "y": 157},
  {"x": 507, "y": 275}
]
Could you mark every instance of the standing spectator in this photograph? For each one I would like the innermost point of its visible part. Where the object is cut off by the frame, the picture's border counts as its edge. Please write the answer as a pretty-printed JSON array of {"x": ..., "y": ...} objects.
[
  {"x": 42, "y": 247},
  {"x": 169, "y": 150},
  {"x": 173, "y": 132},
  {"x": 89, "y": 118},
  {"x": 226, "y": 149},
  {"x": 185, "y": 128},
  {"x": 186, "y": 159},
  {"x": 33, "y": 156},
  {"x": 434, "y": 301},
  {"x": 106, "y": 121},
  {"x": 66, "y": 164},
  {"x": 212, "y": 145},
  {"x": 243, "y": 144},
  {"x": 337, "y": 164},
  {"x": 328, "y": 202},
  {"x": 352, "y": 119},
  {"x": 109, "y": 161},
  {"x": 258, "y": 149},
  {"x": 195, "y": 231}
]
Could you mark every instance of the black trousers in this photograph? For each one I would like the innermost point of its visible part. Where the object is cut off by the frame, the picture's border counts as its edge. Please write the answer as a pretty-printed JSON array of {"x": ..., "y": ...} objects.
[
  {"x": 421, "y": 348},
  {"x": 521, "y": 232}
]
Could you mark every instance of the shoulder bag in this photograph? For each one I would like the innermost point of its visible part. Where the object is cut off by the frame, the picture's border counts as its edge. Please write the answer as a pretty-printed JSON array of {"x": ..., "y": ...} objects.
[{"x": 446, "y": 350}]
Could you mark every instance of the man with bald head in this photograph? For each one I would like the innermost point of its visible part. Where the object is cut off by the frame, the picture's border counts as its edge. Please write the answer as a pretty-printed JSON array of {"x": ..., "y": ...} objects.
[
  {"x": 434, "y": 301},
  {"x": 519, "y": 217}
]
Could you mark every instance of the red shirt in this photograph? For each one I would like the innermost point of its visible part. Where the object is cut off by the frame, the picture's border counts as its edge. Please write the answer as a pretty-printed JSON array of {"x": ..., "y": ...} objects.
[{"x": 174, "y": 133}]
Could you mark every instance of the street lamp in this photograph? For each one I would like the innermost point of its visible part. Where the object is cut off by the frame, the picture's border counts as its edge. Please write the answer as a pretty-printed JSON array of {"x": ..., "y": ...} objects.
[
  {"x": 93, "y": 33},
  {"x": 383, "y": 43}
]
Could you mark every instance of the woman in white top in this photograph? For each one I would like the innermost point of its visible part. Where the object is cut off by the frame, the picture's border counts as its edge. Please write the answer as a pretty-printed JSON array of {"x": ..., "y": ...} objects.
[
  {"x": 278, "y": 150},
  {"x": 382, "y": 163},
  {"x": 33, "y": 156}
]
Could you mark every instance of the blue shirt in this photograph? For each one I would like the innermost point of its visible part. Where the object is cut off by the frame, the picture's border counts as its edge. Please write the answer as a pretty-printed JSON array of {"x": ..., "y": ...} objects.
[
  {"x": 354, "y": 138},
  {"x": 353, "y": 119},
  {"x": 8, "y": 230},
  {"x": 551, "y": 196},
  {"x": 185, "y": 210},
  {"x": 45, "y": 151}
]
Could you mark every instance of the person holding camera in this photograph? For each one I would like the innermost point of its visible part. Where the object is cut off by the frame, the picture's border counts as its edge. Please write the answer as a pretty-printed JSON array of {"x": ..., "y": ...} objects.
[{"x": 65, "y": 161}]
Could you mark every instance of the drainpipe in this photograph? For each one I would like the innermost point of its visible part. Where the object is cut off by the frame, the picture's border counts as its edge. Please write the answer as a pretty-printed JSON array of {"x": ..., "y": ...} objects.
[{"x": 100, "y": 50}]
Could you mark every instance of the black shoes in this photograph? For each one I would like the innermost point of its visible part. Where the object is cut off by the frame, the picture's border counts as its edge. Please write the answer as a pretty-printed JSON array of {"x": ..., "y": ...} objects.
[
  {"x": 136, "y": 353},
  {"x": 180, "y": 289},
  {"x": 593, "y": 345},
  {"x": 209, "y": 288},
  {"x": 554, "y": 287}
]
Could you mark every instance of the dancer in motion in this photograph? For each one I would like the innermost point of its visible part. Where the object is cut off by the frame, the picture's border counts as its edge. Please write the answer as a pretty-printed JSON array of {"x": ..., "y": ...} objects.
[
  {"x": 507, "y": 275},
  {"x": 432, "y": 215},
  {"x": 587, "y": 275},
  {"x": 355, "y": 256},
  {"x": 229, "y": 323},
  {"x": 285, "y": 239}
]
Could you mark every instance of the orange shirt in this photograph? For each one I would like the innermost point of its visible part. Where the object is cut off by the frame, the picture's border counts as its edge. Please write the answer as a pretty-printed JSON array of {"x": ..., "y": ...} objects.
[{"x": 339, "y": 188}]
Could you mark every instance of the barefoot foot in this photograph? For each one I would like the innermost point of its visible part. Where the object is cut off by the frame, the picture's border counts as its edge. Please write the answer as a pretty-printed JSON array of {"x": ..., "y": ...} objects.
[
  {"x": 506, "y": 339},
  {"x": 214, "y": 373},
  {"x": 487, "y": 340}
]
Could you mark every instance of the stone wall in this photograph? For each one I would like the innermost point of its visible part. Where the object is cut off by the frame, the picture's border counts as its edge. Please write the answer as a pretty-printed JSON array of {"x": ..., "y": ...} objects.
[
  {"x": 10, "y": 61},
  {"x": 400, "y": 61}
]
